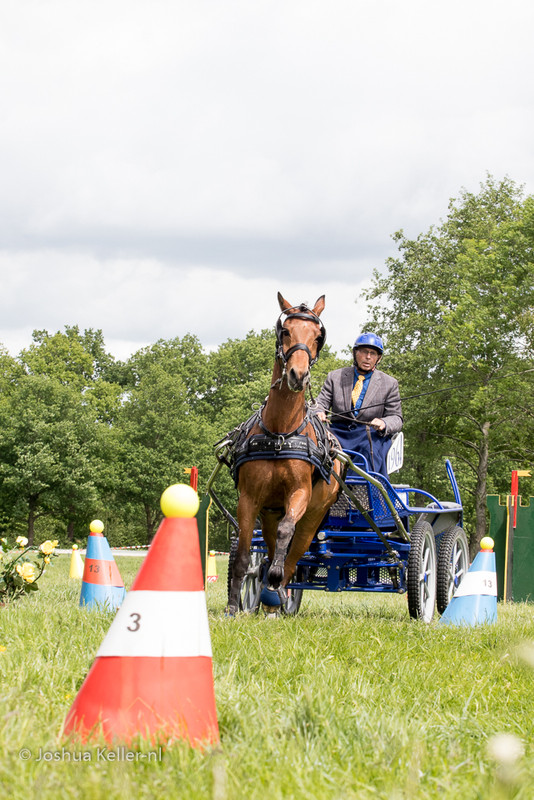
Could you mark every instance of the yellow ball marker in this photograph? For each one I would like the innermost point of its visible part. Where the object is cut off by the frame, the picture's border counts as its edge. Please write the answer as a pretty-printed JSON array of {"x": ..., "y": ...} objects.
[
  {"x": 487, "y": 543},
  {"x": 179, "y": 500},
  {"x": 96, "y": 526}
]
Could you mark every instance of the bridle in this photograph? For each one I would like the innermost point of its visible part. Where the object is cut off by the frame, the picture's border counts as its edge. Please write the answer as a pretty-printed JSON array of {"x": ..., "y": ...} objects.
[{"x": 298, "y": 312}]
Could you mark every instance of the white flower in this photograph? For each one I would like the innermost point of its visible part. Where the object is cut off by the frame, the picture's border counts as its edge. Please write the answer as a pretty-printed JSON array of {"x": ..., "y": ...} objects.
[
  {"x": 526, "y": 653},
  {"x": 505, "y": 748}
]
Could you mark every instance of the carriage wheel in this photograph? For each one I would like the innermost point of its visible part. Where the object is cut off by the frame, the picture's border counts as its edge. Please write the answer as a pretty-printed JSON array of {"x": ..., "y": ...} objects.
[
  {"x": 294, "y": 596},
  {"x": 249, "y": 595},
  {"x": 422, "y": 572},
  {"x": 294, "y": 599},
  {"x": 453, "y": 563}
]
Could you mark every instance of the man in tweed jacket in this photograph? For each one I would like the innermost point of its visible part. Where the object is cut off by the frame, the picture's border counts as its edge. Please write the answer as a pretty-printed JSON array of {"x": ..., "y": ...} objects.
[{"x": 376, "y": 403}]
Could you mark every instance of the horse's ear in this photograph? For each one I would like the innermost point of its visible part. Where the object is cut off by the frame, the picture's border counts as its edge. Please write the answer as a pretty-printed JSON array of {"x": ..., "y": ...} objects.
[
  {"x": 319, "y": 305},
  {"x": 284, "y": 305}
]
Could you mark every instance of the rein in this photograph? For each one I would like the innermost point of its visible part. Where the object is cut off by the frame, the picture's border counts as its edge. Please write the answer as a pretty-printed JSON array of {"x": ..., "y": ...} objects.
[{"x": 349, "y": 416}]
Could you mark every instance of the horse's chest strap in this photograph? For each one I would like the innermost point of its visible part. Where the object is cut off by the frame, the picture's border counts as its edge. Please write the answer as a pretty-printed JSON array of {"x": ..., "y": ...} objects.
[
  {"x": 300, "y": 447},
  {"x": 278, "y": 446}
]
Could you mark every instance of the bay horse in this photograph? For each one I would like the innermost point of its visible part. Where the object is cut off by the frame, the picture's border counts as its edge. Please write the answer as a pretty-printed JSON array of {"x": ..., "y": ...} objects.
[{"x": 282, "y": 492}]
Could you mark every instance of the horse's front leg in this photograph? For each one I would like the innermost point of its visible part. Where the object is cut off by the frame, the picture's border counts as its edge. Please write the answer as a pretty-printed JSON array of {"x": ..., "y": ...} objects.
[
  {"x": 246, "y": 515},
  {"x": 295, "y": 508},
  {"x": 323, "y": 496}
]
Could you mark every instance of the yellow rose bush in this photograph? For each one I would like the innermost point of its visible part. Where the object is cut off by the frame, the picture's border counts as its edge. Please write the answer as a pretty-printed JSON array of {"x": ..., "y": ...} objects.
[{"x": 22, "y": 565}]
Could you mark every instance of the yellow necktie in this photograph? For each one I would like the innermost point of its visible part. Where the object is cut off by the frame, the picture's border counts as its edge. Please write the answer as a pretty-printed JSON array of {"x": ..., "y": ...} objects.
[{"x": 356, "y": 392}]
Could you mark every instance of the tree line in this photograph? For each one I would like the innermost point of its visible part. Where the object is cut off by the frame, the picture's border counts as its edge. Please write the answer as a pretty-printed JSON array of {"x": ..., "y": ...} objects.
[{"x": 83, "y": 435}]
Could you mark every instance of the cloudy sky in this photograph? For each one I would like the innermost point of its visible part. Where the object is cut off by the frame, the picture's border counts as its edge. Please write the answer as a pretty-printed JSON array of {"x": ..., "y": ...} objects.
[{"x": 166, "y": 166}]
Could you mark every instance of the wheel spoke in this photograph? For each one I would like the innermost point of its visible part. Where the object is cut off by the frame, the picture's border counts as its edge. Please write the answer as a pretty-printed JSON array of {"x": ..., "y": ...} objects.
[
  {"x": 422, "y": 567},
  {"x": 453, "y": 563}
]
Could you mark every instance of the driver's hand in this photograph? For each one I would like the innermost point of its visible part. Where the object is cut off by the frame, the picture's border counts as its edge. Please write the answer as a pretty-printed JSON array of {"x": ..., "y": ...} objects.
[{"x": 378, "y": 423}]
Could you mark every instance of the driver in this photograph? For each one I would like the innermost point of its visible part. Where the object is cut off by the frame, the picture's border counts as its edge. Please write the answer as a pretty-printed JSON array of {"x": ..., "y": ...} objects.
[{"x": 365, "y": 403}]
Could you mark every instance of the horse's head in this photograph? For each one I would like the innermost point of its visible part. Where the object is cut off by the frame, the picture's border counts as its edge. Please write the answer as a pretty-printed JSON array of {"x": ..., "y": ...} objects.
[{"x": 300, "y": 334}]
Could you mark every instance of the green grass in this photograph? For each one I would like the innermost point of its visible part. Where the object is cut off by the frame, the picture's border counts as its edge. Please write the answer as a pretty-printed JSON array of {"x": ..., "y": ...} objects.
[{"x": 349, "y": 699}]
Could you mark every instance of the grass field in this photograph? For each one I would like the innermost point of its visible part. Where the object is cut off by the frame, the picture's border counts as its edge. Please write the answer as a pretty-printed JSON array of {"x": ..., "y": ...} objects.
[{"x": 349, "y": 699}]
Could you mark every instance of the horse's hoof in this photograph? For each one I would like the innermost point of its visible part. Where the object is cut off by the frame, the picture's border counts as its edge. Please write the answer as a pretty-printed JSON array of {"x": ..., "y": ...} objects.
[
  {"x": 271, "y": 612},
  {"x": 275, "y": 576},
  {"x": 230, "y": 612}
]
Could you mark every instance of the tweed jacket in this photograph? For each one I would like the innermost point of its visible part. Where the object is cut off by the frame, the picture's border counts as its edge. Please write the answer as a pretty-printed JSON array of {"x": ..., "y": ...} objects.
[{"x": 382, "y": 399}]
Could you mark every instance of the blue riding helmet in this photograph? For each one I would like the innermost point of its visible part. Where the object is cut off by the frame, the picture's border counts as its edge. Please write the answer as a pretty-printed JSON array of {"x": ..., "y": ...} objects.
[{"x": 369, "y": 340}]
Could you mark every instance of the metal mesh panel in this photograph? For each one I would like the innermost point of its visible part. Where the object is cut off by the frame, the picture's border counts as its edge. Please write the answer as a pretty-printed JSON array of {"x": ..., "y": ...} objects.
[
  {"x": 370, "y": 498},
  {"x": 385, "y": 576},
  {"x": 342, "y": 506},
  {"x": 380, "y": 507}
]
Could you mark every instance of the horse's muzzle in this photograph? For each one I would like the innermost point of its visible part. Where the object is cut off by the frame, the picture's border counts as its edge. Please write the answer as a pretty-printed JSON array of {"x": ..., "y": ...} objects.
[{"x": 296, "y": 382}]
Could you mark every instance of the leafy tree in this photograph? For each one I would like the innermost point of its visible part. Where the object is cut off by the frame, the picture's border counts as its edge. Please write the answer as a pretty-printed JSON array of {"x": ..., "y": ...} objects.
[
  {"x": 48, "y": 446},
  {"x": 61, "y": 356},
  {"x": 78, "y": 360},
  {"x": 240, "y": 371},
  {"x": 183, "y": 358},
  {"x": 456, "y": 310},
  {"x": 10, "y": 370},
  {"x": 158, "y": 436},
  {"x": 58, "y": 408}
]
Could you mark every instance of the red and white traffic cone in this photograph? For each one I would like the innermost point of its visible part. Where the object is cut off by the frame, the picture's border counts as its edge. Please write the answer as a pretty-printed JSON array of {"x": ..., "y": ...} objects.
[{"x": 152, "y": 676}]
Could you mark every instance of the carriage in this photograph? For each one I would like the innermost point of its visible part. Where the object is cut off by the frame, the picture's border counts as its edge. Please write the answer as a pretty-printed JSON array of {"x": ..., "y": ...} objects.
[
  {"x": 311, "y": 516},
  {"x": 377, "y": 537}
]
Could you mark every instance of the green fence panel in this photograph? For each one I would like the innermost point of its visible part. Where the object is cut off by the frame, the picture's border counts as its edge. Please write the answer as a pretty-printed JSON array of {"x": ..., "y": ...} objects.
[{"x": 514, "y": 548}]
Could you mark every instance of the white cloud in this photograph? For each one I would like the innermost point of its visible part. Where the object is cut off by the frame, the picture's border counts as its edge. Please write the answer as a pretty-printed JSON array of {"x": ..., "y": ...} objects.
[
  {"x": 137, "y": 302},
  {"x": 157, "y": 156}
]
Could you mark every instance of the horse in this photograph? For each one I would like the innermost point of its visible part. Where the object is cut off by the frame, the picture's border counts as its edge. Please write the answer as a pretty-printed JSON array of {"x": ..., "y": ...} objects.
[{"x": 282, "y": 492}]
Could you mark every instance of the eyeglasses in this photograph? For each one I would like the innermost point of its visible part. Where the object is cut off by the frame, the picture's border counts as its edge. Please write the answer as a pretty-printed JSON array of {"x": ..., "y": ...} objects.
[{"x": 367, "y": 351}]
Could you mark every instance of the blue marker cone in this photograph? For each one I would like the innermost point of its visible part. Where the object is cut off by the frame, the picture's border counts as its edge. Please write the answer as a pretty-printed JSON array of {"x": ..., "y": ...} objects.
[
  {"x": 102, "y": 584},
  {"x": 475, "y": 600}
]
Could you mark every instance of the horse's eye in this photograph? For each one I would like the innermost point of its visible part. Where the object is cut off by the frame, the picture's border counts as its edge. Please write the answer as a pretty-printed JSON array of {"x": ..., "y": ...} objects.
[{"x": 285, "y": 332}]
